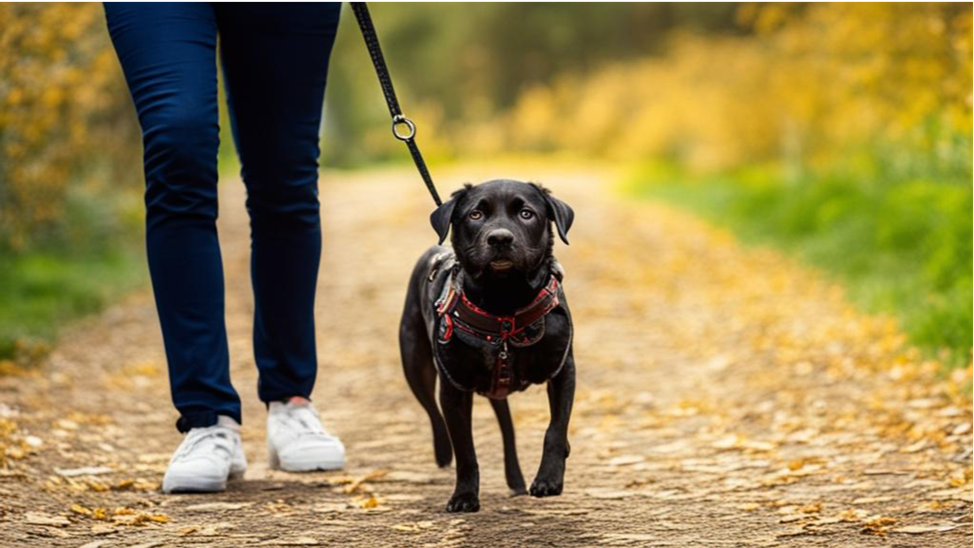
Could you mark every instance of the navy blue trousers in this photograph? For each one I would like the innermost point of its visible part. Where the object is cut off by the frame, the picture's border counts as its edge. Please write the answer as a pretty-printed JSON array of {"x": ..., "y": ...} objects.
[{"x": 275, "y": 63}]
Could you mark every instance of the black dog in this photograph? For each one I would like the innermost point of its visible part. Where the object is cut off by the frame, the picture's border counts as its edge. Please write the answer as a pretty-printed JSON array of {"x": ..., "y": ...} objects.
[{"x": 490, "y": 315}]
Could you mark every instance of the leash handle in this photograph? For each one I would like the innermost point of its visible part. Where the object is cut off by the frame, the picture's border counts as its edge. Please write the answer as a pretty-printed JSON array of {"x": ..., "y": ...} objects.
[{"x": 402, "y": 128}]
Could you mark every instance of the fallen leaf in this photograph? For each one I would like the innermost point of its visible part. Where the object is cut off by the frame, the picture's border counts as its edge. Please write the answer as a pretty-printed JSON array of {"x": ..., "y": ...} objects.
[
  {"x": 78, "y": 509},
  {"x": 368, "y": 503},
  {"x": 86, "y": 471},
  {"x": 915, "y": 448},
  {"x": 626, "y": 460},
  {"x": 600, "y": 493},
  {"x": 37, "y": 518},
  {"x": 878, "y": 524},
  {"x": 920, "y": 529},
  {"x": 103, "y": 529},
  {"x": 356, "y": 484},
  {"x": 852, "y": 515},
  {"x": 157, "y": 518}
]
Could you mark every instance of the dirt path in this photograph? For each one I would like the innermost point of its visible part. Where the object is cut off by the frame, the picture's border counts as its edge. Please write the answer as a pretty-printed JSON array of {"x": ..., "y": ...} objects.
[{"x": 726, "y": 398}]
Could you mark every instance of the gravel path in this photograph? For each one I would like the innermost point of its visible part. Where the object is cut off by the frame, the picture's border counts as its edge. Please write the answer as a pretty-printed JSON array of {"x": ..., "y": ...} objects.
[{"x": 727, "y": 397}]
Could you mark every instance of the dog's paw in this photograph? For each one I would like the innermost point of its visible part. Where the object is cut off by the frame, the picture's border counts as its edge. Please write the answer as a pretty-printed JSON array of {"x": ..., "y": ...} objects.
[
  {"x": 546, "y": 487},
  {"x": 463, "y": 502},
  {"x": 518, "y": 491}
]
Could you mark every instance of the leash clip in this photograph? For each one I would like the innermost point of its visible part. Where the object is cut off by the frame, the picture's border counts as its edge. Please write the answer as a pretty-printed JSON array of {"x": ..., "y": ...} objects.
[{"x": 401, "y": 120}]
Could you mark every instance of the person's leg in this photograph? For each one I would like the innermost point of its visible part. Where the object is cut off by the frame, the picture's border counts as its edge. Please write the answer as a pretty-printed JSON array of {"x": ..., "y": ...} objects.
[
  {"x": 275, "y": 60},
  {"x": 167, "y": 52}
]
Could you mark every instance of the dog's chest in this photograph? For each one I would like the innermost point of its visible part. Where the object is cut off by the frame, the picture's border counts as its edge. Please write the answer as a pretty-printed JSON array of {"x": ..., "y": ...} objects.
[
  {"x": 472, "y": 364},
  {"x": 472, "y": 361}
]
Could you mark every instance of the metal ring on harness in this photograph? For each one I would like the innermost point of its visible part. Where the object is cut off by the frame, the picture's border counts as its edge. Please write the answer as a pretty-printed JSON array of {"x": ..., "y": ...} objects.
[{"x": 400, "y": 120}]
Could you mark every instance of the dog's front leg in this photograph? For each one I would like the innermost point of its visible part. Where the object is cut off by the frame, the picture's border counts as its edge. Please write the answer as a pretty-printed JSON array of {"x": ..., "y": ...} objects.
[
  {"x": 561, "y": 394},
  {"x": 457, "y": 408}
]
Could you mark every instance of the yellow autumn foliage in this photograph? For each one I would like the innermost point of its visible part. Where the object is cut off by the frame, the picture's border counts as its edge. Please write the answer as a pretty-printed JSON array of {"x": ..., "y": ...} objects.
[
  {"x": 811, "y": 85},
  {"x": 63, "y": 112},
  {"x": 817, "y": 85}
]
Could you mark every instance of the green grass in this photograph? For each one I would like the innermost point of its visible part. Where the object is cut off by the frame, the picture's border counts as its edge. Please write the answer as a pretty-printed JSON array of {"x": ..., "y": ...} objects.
[
  {"x": 79, "y": 265},
  {"x": 75, "y": 268},
  {"x": 899, "y": 247},
  {"x": 41, "y": 291}
]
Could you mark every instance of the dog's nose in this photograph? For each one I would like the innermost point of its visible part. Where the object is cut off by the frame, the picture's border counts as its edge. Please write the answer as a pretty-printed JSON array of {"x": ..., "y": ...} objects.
[{"x": 500, "y": 237}]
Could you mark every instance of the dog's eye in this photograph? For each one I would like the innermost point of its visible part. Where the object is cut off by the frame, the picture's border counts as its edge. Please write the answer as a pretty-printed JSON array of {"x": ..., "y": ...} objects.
[
  {"x": 526, "y": 214},
  {"x": 476, "y": 215}
]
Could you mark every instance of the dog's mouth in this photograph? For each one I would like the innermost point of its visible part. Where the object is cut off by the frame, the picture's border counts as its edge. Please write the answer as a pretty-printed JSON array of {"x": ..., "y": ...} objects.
[{"x": 501, "y": 265}]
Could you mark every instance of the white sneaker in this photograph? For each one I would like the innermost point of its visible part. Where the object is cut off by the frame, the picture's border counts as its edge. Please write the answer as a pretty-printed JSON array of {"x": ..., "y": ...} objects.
[
  {"x": 206, "y": 458},
  {"x": 296, "y": 441}
]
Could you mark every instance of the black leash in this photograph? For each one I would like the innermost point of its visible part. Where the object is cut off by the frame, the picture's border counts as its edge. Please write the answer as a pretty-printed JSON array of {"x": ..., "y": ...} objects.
[{"x": 398, "y": 119}]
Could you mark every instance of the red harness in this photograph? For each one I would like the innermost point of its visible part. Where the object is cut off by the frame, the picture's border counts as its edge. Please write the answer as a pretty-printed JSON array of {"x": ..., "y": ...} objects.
[{"x": 455, "y": 310}]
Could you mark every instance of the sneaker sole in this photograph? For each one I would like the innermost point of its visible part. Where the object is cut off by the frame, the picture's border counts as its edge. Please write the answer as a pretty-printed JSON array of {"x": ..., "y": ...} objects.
[
  {"x": 193, "y": 485},
  {"x": 316, "y": 465}
]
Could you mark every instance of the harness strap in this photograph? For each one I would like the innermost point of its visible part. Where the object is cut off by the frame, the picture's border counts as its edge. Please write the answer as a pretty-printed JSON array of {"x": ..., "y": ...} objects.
[
  {"x": 385, "y": 80},
  {"x": 506, "y": 326},
  {"x": 456, "y": 311}
]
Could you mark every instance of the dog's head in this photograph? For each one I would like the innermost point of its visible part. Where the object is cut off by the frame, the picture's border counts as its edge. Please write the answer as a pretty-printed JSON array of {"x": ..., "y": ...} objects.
[{"x": 502, "y": 227}]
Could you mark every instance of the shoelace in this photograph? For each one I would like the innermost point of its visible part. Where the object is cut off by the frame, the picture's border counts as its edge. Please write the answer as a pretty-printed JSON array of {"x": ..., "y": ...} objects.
[
  {"x": 220, "y": 438},
  {"x": 304, "y": 420}
]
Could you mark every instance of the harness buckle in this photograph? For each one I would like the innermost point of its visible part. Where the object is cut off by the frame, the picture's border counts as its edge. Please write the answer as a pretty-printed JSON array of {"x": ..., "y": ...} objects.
[{"x": 507, "y": 326}]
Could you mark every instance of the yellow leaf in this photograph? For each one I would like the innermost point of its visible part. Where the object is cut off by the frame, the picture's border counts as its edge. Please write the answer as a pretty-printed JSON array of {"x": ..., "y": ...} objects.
[{"x": 367, "y": 502}]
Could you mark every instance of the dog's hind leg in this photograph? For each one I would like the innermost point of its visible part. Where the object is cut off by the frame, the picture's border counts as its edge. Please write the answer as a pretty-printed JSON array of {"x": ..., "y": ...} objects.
[
  {"x": 417, "y": 363},
  {"x": 512, "y": 469}
]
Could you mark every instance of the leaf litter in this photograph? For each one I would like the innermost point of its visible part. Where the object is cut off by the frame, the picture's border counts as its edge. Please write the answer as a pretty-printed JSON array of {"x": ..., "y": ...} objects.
[{"x": 725, "y": 396}]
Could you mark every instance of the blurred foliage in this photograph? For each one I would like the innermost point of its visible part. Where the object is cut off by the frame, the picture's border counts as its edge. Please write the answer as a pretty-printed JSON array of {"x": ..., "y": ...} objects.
[
  {"x": 902, "y": 249},
  {"x": 70, "y": 172},
  {"x": 64, "y": 114},
  {"x": 840, "y": 131},
  {"x": 854, "y": 113},
  {"x": 884, "y": 86},
  {"x": 881, "y": 88},
  {"x": 459, "y": 67}
]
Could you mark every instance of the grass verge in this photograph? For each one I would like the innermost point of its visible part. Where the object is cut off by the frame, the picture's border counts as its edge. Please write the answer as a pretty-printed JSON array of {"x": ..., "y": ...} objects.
[
  {"x": 899, "y": 247},
  {"x": 92, "y": 256}
]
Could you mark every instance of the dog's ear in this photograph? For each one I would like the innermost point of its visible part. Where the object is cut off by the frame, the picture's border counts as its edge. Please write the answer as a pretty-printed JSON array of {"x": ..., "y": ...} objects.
[
  {"x": 442, "y": 217},
  {"x": 559, "y": 211}
]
